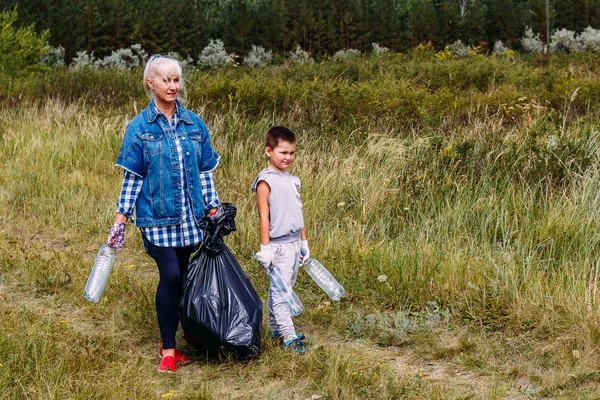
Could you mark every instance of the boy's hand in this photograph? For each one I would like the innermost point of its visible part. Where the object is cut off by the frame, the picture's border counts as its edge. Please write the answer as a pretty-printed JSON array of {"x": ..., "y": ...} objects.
[
  {"x": 304, "y": 251},
  {"x": 265, "y": 256},
  {"x": 116, "y": 236}
]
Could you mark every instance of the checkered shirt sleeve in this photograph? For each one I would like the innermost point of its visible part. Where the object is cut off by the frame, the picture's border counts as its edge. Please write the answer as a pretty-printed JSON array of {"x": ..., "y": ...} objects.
[
  {"x": 132, "y": 185},
  {"x": 211, "y": 198}
]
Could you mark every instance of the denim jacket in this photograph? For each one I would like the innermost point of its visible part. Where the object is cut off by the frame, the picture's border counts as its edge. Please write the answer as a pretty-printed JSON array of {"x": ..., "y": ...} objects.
[{"x": 150, "y": 152}]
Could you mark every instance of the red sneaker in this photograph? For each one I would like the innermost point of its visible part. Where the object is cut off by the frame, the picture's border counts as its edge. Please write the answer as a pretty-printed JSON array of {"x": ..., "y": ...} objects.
[
  {"x": 167, "y": 364},
  {"x": 179, "y": 356}
]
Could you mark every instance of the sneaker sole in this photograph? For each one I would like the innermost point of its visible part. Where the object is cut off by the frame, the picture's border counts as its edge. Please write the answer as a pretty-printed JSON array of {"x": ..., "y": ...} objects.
[{"x": 280, "y": 337}]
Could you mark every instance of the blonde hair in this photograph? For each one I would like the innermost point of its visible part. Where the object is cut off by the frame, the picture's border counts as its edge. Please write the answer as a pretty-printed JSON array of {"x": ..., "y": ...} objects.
[{"x": 162, "y": 67}]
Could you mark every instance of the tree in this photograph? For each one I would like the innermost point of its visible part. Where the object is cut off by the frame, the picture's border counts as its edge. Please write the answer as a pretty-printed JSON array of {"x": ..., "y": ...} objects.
[
  {"x": 449, "y": 21},
  {"x": 570, "y": 14},
  {"x": 422, "y": 22},
  {"x": 473, "y": 26},
  {"x": 504, "y": 21},
  {"x": 20, "y": 49},
  {"x": 151, "y": 29}
]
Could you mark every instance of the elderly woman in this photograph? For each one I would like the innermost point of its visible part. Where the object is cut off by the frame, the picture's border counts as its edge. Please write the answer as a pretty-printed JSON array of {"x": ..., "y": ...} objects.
[{"x": 167, "y": 161}]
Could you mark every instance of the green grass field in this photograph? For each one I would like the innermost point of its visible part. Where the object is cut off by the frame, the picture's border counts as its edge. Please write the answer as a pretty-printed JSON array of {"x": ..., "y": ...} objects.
[{"x": 457, "y": 201}]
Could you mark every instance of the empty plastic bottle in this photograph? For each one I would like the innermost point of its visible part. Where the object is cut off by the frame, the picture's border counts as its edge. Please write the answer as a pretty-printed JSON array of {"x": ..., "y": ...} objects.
[
  {"x": 324, "y": 279},
  {"x": 99, "y": 275},
  {"x": 288, "y": 295}
]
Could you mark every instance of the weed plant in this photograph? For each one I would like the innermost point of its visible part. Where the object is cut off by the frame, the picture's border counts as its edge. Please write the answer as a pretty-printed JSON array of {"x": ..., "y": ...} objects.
[{"x": 452, "y": 198}]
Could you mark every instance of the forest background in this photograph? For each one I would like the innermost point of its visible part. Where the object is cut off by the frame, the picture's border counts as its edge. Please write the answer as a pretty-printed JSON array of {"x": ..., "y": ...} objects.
[{"x": 320, "y": 27}]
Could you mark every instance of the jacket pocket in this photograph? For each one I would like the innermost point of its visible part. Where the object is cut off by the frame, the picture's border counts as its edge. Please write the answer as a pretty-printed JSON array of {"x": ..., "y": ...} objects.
[
  {"x": 206, "y": 157},
  {"x": 197, "y": 139},
  {"x": 152, "y": 143}
]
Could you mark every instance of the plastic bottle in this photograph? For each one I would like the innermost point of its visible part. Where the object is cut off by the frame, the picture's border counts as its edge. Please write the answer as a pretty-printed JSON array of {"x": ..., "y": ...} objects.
[
  {"x": 288, "y": 295},
  {"x": 324, "y": 279},
  {"x": 99, "y": 275}
]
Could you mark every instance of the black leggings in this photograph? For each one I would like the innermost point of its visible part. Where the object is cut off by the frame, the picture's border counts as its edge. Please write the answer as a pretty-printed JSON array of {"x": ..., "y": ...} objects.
[{"x": 172, "y": 265}]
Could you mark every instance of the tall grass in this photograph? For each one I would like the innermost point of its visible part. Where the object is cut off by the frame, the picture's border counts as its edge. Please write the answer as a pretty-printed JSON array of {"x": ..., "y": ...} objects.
[{"x": 469, "y": 199}]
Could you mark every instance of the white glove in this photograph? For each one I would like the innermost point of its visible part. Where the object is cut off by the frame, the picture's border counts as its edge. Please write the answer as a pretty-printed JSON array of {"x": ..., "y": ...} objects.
[
  {"x": 304, "y": 251},
  {"x": 265, "y": 256}
]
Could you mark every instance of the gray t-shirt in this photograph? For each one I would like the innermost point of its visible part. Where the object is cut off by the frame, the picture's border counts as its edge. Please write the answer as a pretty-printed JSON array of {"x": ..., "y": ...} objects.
[{"x": 285, "y": 207}]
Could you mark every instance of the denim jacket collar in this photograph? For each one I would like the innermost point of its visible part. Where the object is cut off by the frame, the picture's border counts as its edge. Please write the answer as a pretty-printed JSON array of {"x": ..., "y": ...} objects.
[{"x": 152, "y": 112}]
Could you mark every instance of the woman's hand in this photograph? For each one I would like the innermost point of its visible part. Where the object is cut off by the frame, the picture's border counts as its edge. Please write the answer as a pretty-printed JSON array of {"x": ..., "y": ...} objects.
[{"x": 116, "y": 236}]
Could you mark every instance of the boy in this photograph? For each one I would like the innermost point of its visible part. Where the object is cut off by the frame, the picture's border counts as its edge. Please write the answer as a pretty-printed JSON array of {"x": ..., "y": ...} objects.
[{"x": 283, "y": 243}]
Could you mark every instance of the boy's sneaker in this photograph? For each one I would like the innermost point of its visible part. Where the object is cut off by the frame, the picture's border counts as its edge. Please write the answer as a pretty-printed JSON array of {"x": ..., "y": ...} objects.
[
  {"x": 276, "y": 335},
  {"x": 296, "y": 345}
]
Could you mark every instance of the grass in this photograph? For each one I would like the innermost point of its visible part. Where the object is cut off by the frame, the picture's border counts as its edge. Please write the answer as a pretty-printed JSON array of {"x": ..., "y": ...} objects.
[{"x": 467, "y": 248}]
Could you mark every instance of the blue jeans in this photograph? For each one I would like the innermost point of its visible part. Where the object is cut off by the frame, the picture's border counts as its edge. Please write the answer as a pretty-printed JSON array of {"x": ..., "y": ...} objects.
[{"x": 172, "y": 265}]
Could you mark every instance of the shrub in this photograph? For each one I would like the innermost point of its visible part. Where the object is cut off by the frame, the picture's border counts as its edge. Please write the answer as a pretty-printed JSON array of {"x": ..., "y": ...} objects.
[
  {"x": 379, "y": 50},
  {"x": 499, "y": 48},
  {"x": 184, "y": 62},
  {"x": 55, "y": 57},
  {"x": 590, "y": 39},
  {"x": 123, "y": 58},
  {"x": 481, "y": 50},
  {"x": 258, "y": 57},
  {"x": 215, "y": 56},
  {"x": 425, "y": 47},
  {"x": 565, "y": 40},
  {"x": 459, "y": 49},
  {"x": 445, "y": 54},
  {"x": 531, "y": 43},
  {"x": 344, "y": 55},
  {"x": 20, "y": 49},
  {"x": 83, "y": 60},
  {"x": 300, "y": 56}
]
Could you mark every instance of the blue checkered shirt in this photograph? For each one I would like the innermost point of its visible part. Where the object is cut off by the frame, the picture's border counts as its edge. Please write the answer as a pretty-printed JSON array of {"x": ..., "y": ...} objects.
[{"x": 187, "y": 233}]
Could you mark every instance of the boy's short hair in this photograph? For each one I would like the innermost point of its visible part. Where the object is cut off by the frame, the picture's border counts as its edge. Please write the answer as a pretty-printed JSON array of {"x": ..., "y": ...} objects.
[{"x": 275, "y": 134}]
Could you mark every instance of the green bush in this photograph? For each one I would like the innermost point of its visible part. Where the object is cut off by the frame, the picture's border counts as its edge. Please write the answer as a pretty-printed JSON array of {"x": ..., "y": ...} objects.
[
  {"x": 20, "y": 49},
  {"x": 408, "y": 92}
]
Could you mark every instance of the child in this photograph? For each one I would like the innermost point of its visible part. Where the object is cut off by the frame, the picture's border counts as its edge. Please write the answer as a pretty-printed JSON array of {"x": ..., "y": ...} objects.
[{"x": 283, "y": 243}]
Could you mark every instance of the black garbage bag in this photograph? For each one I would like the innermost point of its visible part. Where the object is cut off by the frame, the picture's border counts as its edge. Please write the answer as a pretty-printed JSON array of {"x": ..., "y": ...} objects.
[{"x": 220, "y": 311}]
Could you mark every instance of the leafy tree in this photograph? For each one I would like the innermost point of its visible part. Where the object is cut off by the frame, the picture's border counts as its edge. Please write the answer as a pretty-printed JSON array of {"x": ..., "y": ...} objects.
[{"x": 20, "y": 48}]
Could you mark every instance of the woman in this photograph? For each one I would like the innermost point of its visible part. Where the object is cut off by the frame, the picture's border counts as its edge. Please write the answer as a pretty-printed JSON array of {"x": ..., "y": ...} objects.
[{"x": 168, "y": 162}]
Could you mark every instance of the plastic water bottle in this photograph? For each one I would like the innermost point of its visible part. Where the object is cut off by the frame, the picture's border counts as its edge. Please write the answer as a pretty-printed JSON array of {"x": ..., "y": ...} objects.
[
  {"x": 288, "y": 295},
  {"x": 324, "y": 279},
  {"x": 99, "y": 275}
]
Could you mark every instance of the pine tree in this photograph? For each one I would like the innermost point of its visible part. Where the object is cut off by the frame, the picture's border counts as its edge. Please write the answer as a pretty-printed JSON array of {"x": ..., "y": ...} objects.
[
  {"x": 422, "y": 22},
  {"x": 473, "y": 13}
]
